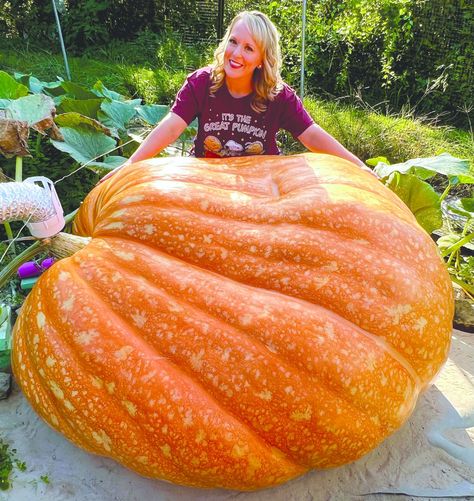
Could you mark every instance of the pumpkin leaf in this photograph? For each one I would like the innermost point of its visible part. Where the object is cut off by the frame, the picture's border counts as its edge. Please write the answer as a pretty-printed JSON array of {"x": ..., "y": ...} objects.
[
  {"x": 35, "y": 85},
  {"x": 468, "y": 204},
  {"x": 101, "y": 90},
  {"x": 374, "y": 161},
  {"x": 73, "y": 119},
  {"x": 84, "y": 144},
  {"x": 109, "y": 163},
  {"x": 454, "y": 168},
  {"x": 14, "y": 138},
  {"x": 10, "y": 88},
  {"x": 31, "y": 109},
  {"x": 153, "y": 113},
  {"x": 87, "y": 107},
  {"x": 117, "y": 114},
  {"x": 421, "y": 199},
  {"x": 77, "y": 91}
]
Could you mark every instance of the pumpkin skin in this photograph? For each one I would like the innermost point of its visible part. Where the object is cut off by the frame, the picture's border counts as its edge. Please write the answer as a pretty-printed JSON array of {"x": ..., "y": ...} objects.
[{"x": 234, "y": 323}]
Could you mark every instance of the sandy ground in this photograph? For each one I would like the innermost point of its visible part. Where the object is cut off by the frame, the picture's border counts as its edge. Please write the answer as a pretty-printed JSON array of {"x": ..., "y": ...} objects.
[{"x": 431, "y": 457}]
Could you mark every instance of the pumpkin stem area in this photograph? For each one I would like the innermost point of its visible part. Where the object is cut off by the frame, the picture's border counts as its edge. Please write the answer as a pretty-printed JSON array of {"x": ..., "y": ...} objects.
[
  {"x": 64, "y": 244},
  {"x": 60, "y": 246}
]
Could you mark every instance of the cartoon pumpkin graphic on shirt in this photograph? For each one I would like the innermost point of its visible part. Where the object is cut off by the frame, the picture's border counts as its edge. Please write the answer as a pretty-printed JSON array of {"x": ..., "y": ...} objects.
[{"x": 214, "y": 148}]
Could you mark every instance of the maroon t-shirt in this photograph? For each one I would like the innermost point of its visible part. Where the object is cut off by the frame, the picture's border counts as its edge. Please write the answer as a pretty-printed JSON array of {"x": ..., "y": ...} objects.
[{"x": 228, "y": 126}]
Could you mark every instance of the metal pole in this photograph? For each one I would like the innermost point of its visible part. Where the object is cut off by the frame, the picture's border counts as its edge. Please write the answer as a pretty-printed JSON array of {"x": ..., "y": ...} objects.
[
  {"x": 220, "y": 19},
  {"x": 60, "y": 33},
  {"x": 303, "y": 32}
]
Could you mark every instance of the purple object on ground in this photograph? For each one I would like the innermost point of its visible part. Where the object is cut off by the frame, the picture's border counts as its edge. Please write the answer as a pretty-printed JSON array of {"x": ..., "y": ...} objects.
[{"x": 33, "y": 269}]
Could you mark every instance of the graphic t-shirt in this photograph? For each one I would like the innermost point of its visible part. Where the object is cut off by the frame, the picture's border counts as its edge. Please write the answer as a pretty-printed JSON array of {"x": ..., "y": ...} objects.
[{"x": 228, "y": 126}]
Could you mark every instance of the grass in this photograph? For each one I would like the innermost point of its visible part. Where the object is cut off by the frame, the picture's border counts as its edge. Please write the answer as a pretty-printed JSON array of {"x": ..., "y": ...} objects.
[{"x": 153, "y": 68}]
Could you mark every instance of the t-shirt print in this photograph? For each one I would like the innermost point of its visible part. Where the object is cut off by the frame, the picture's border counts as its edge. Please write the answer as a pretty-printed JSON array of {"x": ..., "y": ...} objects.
[{"x": 241, "y": 125}]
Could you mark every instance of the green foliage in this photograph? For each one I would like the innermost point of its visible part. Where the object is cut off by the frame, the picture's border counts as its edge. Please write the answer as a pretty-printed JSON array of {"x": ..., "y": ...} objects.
[{"x": 432, "y": 211}]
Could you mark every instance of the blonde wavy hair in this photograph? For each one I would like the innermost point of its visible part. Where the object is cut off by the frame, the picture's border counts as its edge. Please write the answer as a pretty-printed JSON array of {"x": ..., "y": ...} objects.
[{"x": 267, "y": 81}]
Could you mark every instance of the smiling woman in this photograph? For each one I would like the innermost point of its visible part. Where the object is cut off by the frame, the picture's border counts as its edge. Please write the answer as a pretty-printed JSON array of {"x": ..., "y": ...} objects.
[{"x": 241, "y": 101}]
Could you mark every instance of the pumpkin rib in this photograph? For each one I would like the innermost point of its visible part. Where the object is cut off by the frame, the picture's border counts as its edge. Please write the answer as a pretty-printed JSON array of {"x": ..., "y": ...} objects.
[
  {"x": 31, "y": 385},
  {"x": 79, "y": 370},
  {"x": 378, "y": 342},
  {"x": 228, "y": 245},
  {"x": 72, "y": 268},
  {"x": 325, "y": 300},
  {"x": 377, "y": 339}
]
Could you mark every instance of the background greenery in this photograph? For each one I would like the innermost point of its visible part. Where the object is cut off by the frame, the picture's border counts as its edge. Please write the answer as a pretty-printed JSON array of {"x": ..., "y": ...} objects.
[{"x": 414, "y": 55}]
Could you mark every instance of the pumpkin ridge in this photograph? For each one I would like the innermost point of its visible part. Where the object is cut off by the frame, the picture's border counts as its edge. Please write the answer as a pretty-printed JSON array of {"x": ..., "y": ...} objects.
[
  {"x": 98, "y": 431},
  {"x": 268, "y": 285},
  {"x": 184, "y": 374},
  {"x": 32, "y": 387},
  {"x": 383, "y": 344}
]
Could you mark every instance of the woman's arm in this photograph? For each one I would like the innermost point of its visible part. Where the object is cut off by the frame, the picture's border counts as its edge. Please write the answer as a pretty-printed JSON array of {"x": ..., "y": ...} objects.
[
  {"x": 317, "y": 139},
  {"x": 165, "y": 133}
]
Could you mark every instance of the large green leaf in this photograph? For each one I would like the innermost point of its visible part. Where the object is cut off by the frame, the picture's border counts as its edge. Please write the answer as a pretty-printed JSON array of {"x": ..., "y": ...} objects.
[
  {"x": 77, "y": 91},
  {"x": 153, "y": 113},
  {"x": 117, "y": 114},
  {"x": 468, "y": 204},
  {"x": 87, "y": 107},
  {"x": 101, "y": 90},
  {"x": 109, "y": 163},
  {"x": 35, "y": 85},
  {"x": 10, "y": 88},
  {"x": 31, "y": 109},
  {"x": 425, "y": 168},
  {"x": 84, "y": 144},
  {"x": 420, "y": 198},
  {"x": 72, "y": 120}
]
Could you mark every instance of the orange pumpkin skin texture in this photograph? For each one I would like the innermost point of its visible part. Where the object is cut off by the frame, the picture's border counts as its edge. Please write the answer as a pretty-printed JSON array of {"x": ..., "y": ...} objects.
[{"x": 236, "y": 323}]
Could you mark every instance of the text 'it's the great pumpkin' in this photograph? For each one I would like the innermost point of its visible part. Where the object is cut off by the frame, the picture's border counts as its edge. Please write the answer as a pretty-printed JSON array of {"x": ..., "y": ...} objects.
[{"x": 234, "y": 323}]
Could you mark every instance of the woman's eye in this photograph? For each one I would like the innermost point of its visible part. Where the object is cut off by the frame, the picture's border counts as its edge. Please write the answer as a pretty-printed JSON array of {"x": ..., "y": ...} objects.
[
  {"x": 250, "y": 49},
  {"x": 232, "y": 41}
]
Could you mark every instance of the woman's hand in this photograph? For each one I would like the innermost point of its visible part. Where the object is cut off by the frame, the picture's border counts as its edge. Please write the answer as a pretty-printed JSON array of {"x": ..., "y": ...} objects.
[{"x": 317, "y": 139}]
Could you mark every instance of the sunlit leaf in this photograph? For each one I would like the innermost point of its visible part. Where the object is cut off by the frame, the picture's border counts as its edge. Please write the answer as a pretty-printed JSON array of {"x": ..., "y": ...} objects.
[
  {"x": 420, "y": 198},
  {"x": 152, "y": 113},
  {"x": 84, "y": 144},
  {"x": 10, "y": 88}
]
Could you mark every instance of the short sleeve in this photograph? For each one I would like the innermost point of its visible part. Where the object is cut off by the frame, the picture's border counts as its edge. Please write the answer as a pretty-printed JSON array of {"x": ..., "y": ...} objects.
[
  {"x": 294, "y": 117},
  {"x": 188, "y": 102}
]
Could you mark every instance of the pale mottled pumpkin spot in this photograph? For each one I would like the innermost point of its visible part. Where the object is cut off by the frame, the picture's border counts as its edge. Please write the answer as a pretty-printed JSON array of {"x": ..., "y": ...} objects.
[
  {"x": 102, "y": 439},
  {"x": 58, "y": 393},
  {"x": 132, "y": 199},
  {"x": 40, "y": 320},
  {"x": 123, "y": 353},
  {"x": 68, "y": 305},
  {"x": 302, "y": 415},
  {"x": 166, "y": 449},
  {"x": 86, "y": 337},
  {"x": 50, "y": 361},
  {"x": 130, "y": 407}
]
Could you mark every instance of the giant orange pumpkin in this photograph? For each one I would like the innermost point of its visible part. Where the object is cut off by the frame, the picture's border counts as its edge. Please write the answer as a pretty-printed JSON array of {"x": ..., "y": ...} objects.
[{"x": 235, "y": 323}]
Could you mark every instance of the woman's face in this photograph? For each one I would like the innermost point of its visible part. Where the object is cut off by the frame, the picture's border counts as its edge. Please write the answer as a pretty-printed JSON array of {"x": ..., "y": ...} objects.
[{"x": 242, "y": 54}]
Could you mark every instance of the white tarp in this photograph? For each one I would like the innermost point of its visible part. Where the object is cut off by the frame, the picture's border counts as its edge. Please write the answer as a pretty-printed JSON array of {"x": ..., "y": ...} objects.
[{"x": 432, "y": 456}]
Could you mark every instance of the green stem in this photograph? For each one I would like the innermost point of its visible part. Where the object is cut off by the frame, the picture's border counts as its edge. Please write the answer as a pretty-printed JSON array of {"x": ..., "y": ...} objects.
[
  {"x": 9, "y": 232},
  {"x": 445, "y": 192},
  {"x": 458, "y": 245},
  {"x": 10, "y": 269},
  {"x": 19, "y": 169},
  {"x": 467, "y": 287},
  {"x": 40, "y": 245},
  {"x": 38, "y": 144}
]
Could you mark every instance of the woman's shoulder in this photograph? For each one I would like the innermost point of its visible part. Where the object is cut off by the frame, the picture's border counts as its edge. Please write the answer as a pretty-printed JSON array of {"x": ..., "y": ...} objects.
[
  {"x": 285, "y": 93},
  {"x": 200, "y": 75}
]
